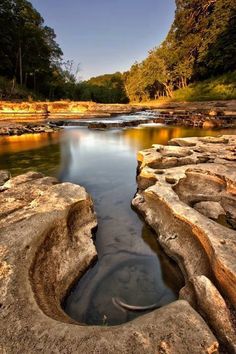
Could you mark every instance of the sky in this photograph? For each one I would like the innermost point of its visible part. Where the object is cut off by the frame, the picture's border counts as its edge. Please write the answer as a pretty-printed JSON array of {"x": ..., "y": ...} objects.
[{"x": 105, "y": 36}]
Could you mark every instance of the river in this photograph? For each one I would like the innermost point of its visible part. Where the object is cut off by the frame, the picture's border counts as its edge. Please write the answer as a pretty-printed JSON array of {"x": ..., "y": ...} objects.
[{"x": 130, "y": 266}]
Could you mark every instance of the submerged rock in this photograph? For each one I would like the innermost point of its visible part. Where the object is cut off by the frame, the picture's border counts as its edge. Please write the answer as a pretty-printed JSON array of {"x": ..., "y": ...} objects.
[
  {"x": 184, "y": 205},
  {"x": 46, "y": 244}
]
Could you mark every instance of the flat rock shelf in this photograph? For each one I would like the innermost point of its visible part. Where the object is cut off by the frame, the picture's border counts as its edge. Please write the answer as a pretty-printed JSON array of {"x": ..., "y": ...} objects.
[
  {"x": 187, "y": 195},
  {"x": 46, "y": 240}
]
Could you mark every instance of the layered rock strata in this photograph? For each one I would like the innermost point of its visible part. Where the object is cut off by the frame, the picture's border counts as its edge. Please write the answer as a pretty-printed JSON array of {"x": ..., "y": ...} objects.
[
  {"x": 199, "y": 118},
  {"x": 15, "y": 111},
  {"x": 46, "y": 244},
  {"x": 187, "y": 194},
  {"x": 219, "y": 114}
]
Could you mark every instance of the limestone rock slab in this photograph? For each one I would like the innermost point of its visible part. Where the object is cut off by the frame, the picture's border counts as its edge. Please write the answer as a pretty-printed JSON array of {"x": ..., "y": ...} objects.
[
  {"x": 192, "y": 208},
  {"x": 46, "y": 244}
]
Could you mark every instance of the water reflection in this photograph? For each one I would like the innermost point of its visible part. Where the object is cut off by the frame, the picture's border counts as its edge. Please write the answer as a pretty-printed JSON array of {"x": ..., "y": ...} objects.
[
  {"x": 38, "y": 152},
  {"x": 26, "y": 142},
  {"x": 130, "y": 264}
]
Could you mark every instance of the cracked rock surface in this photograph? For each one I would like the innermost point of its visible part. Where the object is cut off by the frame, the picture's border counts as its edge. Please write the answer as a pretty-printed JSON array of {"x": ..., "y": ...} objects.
[
  {"x": 46, "y": 244},
  {"x": 187, "y": 194}
]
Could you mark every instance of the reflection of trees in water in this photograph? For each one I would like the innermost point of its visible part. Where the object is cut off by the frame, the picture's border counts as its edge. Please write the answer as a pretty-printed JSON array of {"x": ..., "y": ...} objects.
[
  {"x": 143, "y": 138},
  {"x": 28, "y": 153},
  {"x": 27, "y": 142},
  {"x": 69, "y": 149}
]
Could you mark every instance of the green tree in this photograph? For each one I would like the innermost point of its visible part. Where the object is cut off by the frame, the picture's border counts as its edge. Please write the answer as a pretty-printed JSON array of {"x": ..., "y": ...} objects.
[
  {"x": 201, "y": 43},
  {"x": 29, "y": 52}
]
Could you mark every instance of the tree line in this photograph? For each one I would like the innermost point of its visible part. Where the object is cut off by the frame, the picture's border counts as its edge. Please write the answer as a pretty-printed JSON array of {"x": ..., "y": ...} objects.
[
  {"x": 108, "y": 88},
  {"x": 31, "y": 58},
  {"x": 29, "y": 53},
  {"x": 200, "y": 44}
]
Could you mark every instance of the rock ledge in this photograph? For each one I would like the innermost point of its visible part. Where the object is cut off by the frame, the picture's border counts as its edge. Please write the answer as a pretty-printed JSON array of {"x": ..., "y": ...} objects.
[
  {"x": 46, "y": 243},
  {"x": 187, "y": 194}
]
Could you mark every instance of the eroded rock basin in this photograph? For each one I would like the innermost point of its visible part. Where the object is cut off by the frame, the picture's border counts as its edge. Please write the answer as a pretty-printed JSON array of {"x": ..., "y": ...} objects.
[{"x": 124, "y": 261}]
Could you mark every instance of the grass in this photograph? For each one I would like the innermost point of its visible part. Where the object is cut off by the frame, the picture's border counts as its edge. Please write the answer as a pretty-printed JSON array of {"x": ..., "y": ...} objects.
[{"x": 219, "y": 88}]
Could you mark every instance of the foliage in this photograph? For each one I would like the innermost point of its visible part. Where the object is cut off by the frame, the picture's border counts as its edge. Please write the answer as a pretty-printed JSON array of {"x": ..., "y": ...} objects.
[
  {"x": 29, "y": 54},
  {"x": 200, "y": 44},
  {"x": 107, "y": 88}
]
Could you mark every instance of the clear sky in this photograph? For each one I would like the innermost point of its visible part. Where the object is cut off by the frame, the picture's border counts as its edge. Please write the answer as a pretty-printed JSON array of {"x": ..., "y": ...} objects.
[{"x": 106, "y": 36}]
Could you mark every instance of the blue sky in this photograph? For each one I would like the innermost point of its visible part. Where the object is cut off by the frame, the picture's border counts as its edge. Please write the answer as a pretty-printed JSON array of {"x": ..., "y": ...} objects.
[{"x": 106, "y": 36}]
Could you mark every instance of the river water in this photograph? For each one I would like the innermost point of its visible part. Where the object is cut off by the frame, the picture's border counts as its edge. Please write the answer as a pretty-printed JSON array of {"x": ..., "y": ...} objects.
[{"x": 130, "y": 266}]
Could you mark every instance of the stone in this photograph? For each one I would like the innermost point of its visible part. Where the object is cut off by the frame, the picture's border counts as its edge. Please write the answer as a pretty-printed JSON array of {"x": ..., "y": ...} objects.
[
  {"x": 4, "y": 176},
  {"x": 210, "y": 209},
  {"x": 209, "y": 124},
  {"x": 14, "y": 128},
  {"x": 45, "y": 245},
  {"x": 185, "y": 207},
  {"x": 171, "y": 179},
  {"x": 214, "y": 140},
  {"x": 182, "y": 142},
  {"x": 213, "y": 307},
  {"x": 98, "y": 125},
  {"x": 196, "y": 114}
]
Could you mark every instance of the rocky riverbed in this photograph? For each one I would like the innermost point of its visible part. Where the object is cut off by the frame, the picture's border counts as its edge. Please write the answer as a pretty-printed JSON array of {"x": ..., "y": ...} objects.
[
  {"x": 11, "y": 128},
  {"x": 37, "y": 111},
  {"x": 34, "y": 117},
  {"x": 46, "y": 244},
  {"x": 187, "y": 194}
]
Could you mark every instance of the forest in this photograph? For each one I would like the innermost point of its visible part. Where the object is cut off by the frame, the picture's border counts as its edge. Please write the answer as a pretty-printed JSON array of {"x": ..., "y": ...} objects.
[
  {"x": 200, "y": 45},
  {"x": 30, "y": 57}
]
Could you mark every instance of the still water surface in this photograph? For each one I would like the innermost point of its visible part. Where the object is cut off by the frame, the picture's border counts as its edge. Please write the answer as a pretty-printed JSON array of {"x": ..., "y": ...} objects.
[{"x": 131, "y": 265}]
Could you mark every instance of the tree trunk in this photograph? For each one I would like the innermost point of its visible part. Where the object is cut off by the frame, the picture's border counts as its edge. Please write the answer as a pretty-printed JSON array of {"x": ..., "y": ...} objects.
[
  {"x": 34, "y": 81},
  {"x": 168, "y": 90},
  {"x": 20, "y": 64},
  {"x": 13, "y": 85},
  {"x": 26, "y": 78}
]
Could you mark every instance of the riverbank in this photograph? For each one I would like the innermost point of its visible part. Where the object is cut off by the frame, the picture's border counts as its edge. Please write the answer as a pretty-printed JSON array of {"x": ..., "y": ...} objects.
[
  {"x": 186, "y": 193},
  {"x": 16, "y": 129},
  {"x": 37, "y": 117},
  {"x": 46, "y": 245},
  {"x": 41, "y": 111}
]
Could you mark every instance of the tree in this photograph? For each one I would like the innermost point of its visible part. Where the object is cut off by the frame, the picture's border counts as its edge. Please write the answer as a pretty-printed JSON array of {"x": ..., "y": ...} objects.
[
  {"x": 200, "y": 43},
  {"x": 107, "y": 88},
  {"x": 29, "y": 52}
]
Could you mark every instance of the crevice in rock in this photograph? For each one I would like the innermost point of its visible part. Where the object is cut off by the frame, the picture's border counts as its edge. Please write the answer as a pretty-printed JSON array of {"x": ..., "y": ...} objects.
[{"x": 63, "y": 257}]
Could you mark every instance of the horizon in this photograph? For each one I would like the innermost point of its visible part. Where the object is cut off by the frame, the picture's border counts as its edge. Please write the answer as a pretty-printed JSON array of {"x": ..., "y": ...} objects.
[{"x": 131, "y": 33}]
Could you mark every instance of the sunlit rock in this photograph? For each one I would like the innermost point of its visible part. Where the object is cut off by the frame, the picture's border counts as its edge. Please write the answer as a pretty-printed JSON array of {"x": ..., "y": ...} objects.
[
  {"x": 192, "y": 208},
  {"x": 46, "y": 244}
]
